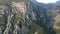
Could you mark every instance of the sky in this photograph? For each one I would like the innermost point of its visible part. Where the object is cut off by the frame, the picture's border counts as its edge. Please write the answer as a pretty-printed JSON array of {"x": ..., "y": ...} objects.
[{"x": 47, "y": 1}]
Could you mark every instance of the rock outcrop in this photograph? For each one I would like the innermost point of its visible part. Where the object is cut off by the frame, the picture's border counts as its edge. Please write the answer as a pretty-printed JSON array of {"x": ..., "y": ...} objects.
[{"x": 18, "y": 16}]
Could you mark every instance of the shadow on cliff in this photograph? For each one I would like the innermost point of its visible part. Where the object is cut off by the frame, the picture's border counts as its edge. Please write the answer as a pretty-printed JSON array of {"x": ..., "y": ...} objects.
[{"x": 46, "y": 22}]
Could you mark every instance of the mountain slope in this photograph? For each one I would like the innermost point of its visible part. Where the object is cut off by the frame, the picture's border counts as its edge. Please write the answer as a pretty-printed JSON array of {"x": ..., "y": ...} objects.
[{"x": 27, "y": 17}]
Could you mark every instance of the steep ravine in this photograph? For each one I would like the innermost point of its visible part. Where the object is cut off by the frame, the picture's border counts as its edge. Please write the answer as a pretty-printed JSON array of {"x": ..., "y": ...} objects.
[{"x": 26, "y": 18}]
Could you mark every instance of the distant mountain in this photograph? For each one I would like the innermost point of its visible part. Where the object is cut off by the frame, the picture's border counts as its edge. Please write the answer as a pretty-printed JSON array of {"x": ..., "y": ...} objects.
[{"x": 58, "y": 2}]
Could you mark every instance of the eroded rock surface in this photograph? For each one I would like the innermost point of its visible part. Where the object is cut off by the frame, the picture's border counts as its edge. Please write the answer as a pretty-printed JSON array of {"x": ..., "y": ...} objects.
[{"x": 18, "y": 16}]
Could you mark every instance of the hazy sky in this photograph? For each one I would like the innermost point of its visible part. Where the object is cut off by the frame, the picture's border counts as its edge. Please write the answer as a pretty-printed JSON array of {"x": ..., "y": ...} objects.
[{"x": 47, "y": 1}]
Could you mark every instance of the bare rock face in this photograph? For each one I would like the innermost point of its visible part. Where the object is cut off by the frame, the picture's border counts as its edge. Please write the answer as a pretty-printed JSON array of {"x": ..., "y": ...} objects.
[
  {"x": 17, "y": 18},
  {"x": 19, "y": 15},
  {"x": 15, "y": 13}
]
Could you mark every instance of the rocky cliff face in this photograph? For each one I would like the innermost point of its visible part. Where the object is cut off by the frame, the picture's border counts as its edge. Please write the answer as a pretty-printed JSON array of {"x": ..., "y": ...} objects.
[
  {"x": 17, "y": 17},
  {"x": 55, "y": 11}
]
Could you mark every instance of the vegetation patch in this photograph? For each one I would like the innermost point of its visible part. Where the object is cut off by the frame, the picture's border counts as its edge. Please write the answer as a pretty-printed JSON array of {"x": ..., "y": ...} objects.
[
  {"x": 57, "y": 31},
  {"x": 1, "y": 20},
  {"x": 36, "y": 28},
  {"x": 58, "y": 24}
]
